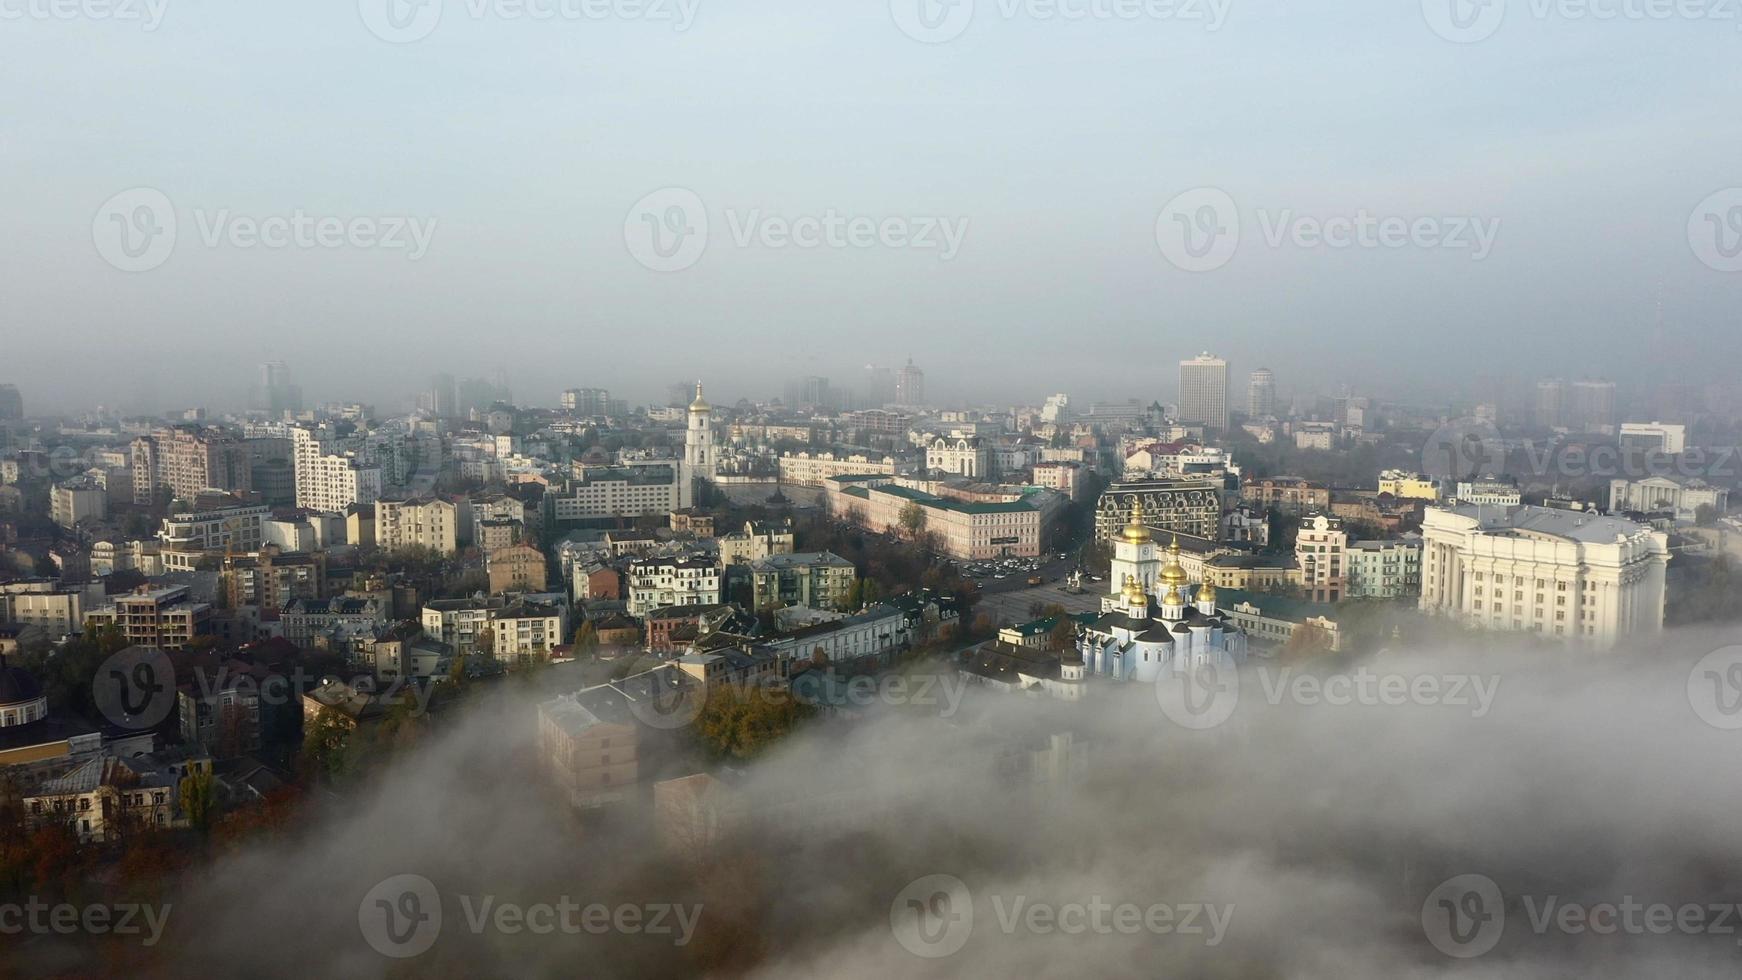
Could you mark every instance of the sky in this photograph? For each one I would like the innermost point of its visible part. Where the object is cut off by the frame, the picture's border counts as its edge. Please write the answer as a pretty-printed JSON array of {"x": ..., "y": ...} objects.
[{"x": 558, "y": 170}]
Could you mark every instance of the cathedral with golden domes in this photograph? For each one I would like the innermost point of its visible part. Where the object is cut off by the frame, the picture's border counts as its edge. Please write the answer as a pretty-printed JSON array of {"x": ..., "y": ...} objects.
[{"x": 1153, "y": 623}]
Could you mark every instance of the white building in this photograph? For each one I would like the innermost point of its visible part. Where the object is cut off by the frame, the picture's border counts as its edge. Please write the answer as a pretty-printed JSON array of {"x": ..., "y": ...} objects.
[
  {"x": 687, "y": 581},
  {"x": 425, "y": 522},
  {"x": 1149, "y": 632},
  {"x": 700, "y": 461},
  {"x": 1682, "y": 496},
  {"x": 1488, "y": 493},
  {"x": 1536, "y": 569},
  {"x": 1660, "y": 436},
  {"x": 78, "y": 502},
  {"x": 960, "y": 456},
  {"x": 1203, "y": 391}
]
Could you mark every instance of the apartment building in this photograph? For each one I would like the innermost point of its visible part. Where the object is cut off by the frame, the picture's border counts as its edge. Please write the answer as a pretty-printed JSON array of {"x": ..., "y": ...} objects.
[
  {"x": 185, "y": 461},
  {"x": 1320, "y": 551},
  {"x": 814, "y": 469},
  {"x": 1387, "y": 569},
  {"x": 672, "y": 581},
  {"x": 166, "y": 618},
  {"x": 821, "y": 580},
  {"x": 417, "y": 522}
]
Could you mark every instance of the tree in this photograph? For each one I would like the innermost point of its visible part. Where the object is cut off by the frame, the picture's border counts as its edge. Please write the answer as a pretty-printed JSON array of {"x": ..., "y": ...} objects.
[
  {"x": 1308, "y": 640},
  {"x": 198, "y": 795},
  {"x": 325, "y": 742},
  {"x": 740, "y": 724},
  {"x": 1063, "y": 635},
  {"x": 1705, "y": 515},
  {"x": 913, "y": 519}
]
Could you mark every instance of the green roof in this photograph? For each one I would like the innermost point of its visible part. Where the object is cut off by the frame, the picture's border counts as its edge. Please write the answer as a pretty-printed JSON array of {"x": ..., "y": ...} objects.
[{"x": 1276, "y": 606}]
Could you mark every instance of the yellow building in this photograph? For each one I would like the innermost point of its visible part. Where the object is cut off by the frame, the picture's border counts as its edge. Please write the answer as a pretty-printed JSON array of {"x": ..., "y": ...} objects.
[{"x": 1408, "y": 486}]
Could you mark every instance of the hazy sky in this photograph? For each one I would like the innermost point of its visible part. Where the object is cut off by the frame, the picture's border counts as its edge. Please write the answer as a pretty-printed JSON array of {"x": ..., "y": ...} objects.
[{"x": 528, "y": 142}]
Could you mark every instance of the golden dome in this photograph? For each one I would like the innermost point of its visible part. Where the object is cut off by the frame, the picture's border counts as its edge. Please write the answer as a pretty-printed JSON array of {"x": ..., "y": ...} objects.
[
  {"x": 700, "y": 404},
  {"x": 1136, "y": 531},
  {"x": 1134, "y": 591},
  {"x": 1173, "y": 597},
  {"x": 1173, "y": 574},
  {"x": 1206, "y": 593}
]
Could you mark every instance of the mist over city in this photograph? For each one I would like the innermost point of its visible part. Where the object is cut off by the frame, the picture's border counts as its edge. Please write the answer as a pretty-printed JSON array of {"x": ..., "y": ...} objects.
[{"x": 988, "y": 488}]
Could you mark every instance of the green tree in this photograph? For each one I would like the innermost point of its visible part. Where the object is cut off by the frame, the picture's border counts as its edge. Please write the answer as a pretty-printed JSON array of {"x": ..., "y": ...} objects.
[
  {"x": 325, "y": 745},
  {"x": 741, "y": 724},
  {"x": 198, "y": 794}
]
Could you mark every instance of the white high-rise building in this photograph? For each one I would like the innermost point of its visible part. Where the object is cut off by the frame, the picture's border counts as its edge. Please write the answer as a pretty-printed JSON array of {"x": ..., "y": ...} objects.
[
  {"x": 1559, "y": 573},
  {"x": 1261, "y": 394},
  {"x": 1203, "y": 391},
  {"x": 699, "y": 457}
]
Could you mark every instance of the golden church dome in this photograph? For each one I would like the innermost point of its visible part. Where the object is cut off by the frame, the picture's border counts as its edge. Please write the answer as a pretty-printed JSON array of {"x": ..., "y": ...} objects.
[
  {"x": 700, "y": 404},
  {"x": 1173, "y": 574},
  {"x": 1136, "y": 531}
]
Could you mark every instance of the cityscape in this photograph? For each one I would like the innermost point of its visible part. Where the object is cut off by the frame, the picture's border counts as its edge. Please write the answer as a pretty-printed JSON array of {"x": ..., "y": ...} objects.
[{"x": 1103, "y": 488}]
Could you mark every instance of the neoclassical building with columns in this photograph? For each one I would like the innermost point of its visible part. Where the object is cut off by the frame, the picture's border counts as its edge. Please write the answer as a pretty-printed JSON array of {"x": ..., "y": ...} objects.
[{"x": 1560, "y": 573}]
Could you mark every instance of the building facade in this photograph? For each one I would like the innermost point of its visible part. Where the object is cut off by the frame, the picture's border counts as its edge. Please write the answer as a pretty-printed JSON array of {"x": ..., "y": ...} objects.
[{"x": 1557, "y": 573}]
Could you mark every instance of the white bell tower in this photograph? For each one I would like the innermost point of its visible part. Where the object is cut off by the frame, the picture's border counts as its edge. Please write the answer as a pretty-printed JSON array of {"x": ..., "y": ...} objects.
[{"x": 698, "y": 450}]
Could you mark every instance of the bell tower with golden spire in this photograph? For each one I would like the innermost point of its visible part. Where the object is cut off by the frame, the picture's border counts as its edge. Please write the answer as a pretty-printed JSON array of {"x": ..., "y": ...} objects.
[{"x": 1135, "y": 557}]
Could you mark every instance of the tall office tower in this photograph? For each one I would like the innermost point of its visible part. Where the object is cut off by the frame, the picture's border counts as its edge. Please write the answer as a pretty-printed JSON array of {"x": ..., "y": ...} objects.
[
  {"x": 276, "y": 392},
  {"x": 1593, "y": 405},
  {"x": 1551, "y": 403},
  {"x": 810, "y": 392},
  {"x": 1203, "y": 391},
  {"x": 910, "y": 385},
  {"x": 11, "y": 402},
  {"x": 878, "y": 387},
  {"x": 1261, "y": 394},
  {"x": 443, "y": 397}
]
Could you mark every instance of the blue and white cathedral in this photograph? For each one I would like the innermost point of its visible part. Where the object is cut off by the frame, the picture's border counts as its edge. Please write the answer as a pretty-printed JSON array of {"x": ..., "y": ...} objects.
[{"x": 1153, "y": 624}]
